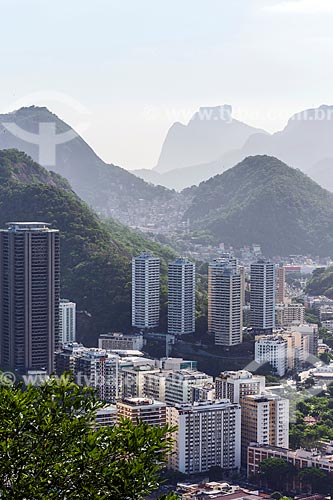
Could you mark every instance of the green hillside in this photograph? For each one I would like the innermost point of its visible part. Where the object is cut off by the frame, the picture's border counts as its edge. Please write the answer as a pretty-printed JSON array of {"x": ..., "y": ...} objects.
[
  {"x": 321, "y": 282},
  {"x": 262, "y": 200},
  {"x": 95, "y": 256}
]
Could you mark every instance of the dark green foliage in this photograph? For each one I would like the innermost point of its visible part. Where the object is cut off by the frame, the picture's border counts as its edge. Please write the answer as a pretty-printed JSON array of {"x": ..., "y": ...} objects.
[
  {"x": 321, "y": 282},
  {"x": 314, "y": 478},
  {"x": 276, "y": 471},
  {"x": 49, "y": 448},
  {"x": 309, "y": 436},
  {"x": 262, "y": 200}
]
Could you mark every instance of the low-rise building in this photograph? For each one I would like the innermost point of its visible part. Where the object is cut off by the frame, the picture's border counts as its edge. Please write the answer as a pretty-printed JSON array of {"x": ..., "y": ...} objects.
[
  {"x": 299, "y": 458},
  {"x": 116, "y": 341},
  {"x": 106, "y": 416}
]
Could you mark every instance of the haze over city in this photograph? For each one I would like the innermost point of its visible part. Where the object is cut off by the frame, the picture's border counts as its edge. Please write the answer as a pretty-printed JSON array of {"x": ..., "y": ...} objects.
[{"x": 137, "y": 67}]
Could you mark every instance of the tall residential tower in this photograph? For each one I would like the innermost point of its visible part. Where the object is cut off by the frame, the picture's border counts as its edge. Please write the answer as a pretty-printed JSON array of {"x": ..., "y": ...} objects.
[
  {"x": 145, "y": 291},
  {"x": 262, "y": 299},
  {"x": 225, "y": 308},
  {"x": 181, "y": 297},
  {"x": 29, "y": 296}
]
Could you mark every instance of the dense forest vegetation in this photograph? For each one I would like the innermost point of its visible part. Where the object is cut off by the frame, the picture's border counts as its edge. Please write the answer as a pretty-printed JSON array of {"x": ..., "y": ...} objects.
[
  {"x": 262, "y": 200},
  {"x": 321, "y": 282},
  {"x": 303, "y": 434}
]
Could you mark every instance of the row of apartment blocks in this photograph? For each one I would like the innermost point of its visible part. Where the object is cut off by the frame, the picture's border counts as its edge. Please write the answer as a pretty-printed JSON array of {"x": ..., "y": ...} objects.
[{"x": 226, "y": 297}]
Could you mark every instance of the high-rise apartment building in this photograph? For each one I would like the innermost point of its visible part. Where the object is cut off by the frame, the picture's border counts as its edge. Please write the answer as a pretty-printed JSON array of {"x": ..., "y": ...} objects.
[
  {"x": 145, "y": 291},
  {"x": 265, "y": 420},
  {"x": 67, "y": 321},
  {"x": 29, "y": 296},
  {"x": 207, "y": 435},
  {"x": 225, "y": 303},
  {"x": 280, "y": 273},
  {"x": 133, "y": 380},
  {"x": 235, "y": 385},
  {"x": 181, "y": 297},
  {"x": 272, "y": 349},
  {"x": 144, "y": 410},
  {"x": 262, "y": 298}
]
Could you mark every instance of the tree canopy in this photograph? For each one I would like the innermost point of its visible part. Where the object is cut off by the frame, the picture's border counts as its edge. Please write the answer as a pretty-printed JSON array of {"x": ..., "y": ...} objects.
[{"x": 50, "y": 447}]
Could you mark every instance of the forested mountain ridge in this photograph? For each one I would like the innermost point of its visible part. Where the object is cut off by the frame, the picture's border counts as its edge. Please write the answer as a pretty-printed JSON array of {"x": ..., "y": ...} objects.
[{"x": 262, "y": 200}]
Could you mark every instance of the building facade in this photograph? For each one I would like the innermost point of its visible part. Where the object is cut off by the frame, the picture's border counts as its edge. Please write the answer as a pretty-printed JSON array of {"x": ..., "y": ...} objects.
[
  {"x": 225, "y": 303},
  {"x": 280, "y": 285},
  {"x": 289, "y": 314},
  {"x": 67, "y": 321},
  {"x": 234, "y": 385},
  {"x": 179, "y": 384},
  {"x": 29, "y": 296},
  {"x": 272, "y": 349},
  {"x": 181, "y": 297},
  {"x": 145, "y": 291},
  {"x": 265, "y": 420},
  {"x": 207, "y": 435},
  {"x": 120, "y": 341},
  {"x": 145, "y": 410},
  {"x": 262, "y": 297}
]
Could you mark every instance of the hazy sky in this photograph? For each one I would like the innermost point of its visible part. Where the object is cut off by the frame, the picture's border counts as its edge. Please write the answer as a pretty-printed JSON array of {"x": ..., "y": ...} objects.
[{"x": 135, "y": 66}]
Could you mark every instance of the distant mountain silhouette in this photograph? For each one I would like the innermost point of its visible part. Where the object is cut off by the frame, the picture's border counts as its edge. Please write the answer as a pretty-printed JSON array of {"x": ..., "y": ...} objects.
[
  {"x": 305, "y": 143},
  {"x": 211, "y": 132},
  {"x": 109, "y": 189}
]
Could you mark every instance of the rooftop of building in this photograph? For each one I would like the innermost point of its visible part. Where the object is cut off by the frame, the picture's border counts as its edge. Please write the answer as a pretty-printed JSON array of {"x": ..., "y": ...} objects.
[
  {"x": 240, "y": 375},
  {"x": 262, "y": 398},
  {"x": 206, "y": 405},
  {"x": 181, "y": 261},
  {"x": 135, "y": 402},
  {"x": 189, "y": 374},
  {"x": 325, "y": 453},
  {"x": 146, "y": 256},
  {"x": 276, "y": 339},
  {"x": 120, "y": 335},
  {"x": 29, "y": 227}
]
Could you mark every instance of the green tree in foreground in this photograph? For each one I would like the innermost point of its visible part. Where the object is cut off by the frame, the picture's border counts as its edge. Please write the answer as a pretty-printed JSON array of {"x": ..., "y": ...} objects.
[{"x": 49, "y": 448}]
